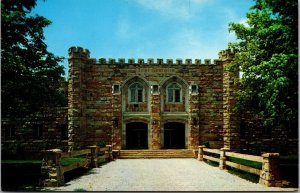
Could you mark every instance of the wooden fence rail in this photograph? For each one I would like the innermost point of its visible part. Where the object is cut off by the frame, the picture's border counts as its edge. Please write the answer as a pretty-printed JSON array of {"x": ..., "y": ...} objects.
[
  {"x": 75, "y": 153},
  {"x": 269, "y": 172},
  {"x": 53, "y": 171}
]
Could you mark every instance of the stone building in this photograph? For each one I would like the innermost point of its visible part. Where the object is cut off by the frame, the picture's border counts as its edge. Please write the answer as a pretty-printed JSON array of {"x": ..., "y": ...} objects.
[
  {"x": 151, "y": 104},
  {"x": 25, "y": 137},
  {"x": 145, "y": 104}
]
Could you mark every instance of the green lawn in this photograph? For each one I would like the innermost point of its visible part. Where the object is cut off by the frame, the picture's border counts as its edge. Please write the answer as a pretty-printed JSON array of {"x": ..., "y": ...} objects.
[
  {"x": 64, "y": 161},
  {"x": 18, "y": 175},
  {"x": 71, "y": 160},
  {"x": 249, "y": 163},
  {"x": 21, "y": 161},
  {"x": 102, "y": 162},
  {"x": 245, "y": 175}
]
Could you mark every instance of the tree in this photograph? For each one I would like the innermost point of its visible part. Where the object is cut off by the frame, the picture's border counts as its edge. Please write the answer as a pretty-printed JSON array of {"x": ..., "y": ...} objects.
[
  {"x": 30, "y": 75},
  {"x": 268, "y": 57}
]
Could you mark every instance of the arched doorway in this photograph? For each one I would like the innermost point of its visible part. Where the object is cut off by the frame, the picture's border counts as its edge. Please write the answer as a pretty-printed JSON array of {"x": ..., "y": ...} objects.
[
  {"x": 174, "y": 135},
  {"x": 136, "y": 135}
]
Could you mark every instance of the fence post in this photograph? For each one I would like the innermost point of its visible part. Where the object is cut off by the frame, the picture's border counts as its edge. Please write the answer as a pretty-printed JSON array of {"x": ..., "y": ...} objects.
[
  {"x": 200, "y": 153},
  {"x": 52, "y": 169},
  {"x": 94, "y": 156},
  {"x": 222, "y": 163},
  {"x": 109, "y": 152},
  {"x": 270, "y": 175}
]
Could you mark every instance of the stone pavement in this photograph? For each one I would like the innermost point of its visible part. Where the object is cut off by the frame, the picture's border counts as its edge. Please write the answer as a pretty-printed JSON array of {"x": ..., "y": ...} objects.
[{"x": 161, "y": 175}]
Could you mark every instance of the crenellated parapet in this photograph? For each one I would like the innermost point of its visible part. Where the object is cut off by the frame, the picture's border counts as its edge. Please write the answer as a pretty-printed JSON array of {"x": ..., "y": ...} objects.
[
  {"x": 158, "y": 61},
  {"x": 79, "y": 52}
]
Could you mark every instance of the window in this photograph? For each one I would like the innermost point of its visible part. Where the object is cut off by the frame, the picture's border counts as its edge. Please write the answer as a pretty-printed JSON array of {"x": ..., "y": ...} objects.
[
  {"x": 38, "y": 131},
  {"x": 64, "y": 131},
  {"x": 10, "y": 131},
  {"x": 116, "y": 89},
  {"x": 155, "y": 89},
  {"x": 174, "y": 93},
  {"x": 194, "y": 89},
  {"x": 136, "y": 93}
]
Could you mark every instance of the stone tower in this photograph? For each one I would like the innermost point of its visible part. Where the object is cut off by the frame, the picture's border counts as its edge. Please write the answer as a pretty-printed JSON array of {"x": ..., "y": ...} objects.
[
  {"x": 231, "y": 134},
  {"x": 76, "y": 105}
]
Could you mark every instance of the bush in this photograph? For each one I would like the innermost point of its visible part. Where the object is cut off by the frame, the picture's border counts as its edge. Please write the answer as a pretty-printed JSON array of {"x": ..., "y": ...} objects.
[
  {"x": 102, "y": 144},
  {"x": 206, "y": 143}
]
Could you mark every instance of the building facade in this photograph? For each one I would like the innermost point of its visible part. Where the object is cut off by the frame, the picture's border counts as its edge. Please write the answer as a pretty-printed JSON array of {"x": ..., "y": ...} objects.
[{"x": 147, "y": 104}]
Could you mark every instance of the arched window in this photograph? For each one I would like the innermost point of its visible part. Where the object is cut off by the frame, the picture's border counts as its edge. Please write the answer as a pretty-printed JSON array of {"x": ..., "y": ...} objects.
[
  {"x": 136, "y": 93},
  {"x": 173, "y": 93}
]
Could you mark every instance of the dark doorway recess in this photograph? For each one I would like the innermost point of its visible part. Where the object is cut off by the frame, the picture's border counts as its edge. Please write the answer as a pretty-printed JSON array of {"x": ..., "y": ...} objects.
[
  {"x": 174, "y": 135},
  {"x": 137, "y": 135}
]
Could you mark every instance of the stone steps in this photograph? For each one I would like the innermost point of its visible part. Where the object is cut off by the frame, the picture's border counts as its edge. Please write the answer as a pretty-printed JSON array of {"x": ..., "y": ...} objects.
[{"x": 168, "y": 153}]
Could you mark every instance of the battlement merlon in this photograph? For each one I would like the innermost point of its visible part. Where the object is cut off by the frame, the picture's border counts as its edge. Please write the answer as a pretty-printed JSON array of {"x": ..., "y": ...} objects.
[
  {"x": 75, "y": 52},
  {"x": 227, "y": 54}
]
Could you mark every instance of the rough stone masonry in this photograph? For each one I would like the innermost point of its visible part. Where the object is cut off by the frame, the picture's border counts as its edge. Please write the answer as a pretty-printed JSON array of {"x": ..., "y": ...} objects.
[{"x": 147, "y": 104}]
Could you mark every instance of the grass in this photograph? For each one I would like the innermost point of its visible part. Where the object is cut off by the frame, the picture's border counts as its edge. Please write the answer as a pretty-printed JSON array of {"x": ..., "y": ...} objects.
[
  {"x": 24, "y": 175},
  {"x": 71, "y": 160},
  {"x": 21, "y": 161},
  {"x": 249, "y": 163},
  {"x": 289, "y": 159},
  {"x": 245, "y": 175},
  {"x": 242, "y": 174},
  {"x": 212, "y": 163},
  {"x": 80, "y": 190},
  {"x": 102, "y": 162},
  {"x": 18, "y": 175}
]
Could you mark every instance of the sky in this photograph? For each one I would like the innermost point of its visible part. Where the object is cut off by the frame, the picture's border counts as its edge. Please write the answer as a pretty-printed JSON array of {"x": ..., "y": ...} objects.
[{"x": 141, "y": 28}]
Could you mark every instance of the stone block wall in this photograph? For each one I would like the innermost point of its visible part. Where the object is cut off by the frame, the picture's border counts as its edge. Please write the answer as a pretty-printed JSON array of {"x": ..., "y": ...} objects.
[
  {"x": 97, "y": 114},
  {"x": 46, "y": 129},
  {"x": 257, "y": 139}
]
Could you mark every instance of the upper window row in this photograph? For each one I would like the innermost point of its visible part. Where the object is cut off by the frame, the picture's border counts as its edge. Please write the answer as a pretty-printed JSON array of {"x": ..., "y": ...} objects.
[{"x": 136, "y": 92}]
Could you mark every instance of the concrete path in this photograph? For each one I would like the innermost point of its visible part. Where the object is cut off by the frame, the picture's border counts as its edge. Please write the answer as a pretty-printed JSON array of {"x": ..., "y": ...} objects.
[{"x": 161, "y": 175}]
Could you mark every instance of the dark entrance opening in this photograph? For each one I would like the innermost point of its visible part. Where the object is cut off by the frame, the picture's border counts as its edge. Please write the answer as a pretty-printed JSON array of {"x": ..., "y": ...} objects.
[
  {"x": 174, "y": 135},
  {"x": 137, "y": 135}
]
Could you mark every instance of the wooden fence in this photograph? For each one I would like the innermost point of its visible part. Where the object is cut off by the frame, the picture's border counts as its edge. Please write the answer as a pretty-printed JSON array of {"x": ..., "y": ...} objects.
[
  {"x": 269, "y": 172},
  {"x": 84, "y": 163},
  {"x": 53, "y": 171}
]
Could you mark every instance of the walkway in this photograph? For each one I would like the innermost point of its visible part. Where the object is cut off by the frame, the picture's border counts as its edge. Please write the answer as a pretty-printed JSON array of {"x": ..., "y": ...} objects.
[{"x": 161, "y": 175}]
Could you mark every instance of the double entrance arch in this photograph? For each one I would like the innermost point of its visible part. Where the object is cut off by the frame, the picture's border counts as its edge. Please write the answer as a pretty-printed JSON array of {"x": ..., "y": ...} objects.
[
  {"x": 137, "y": 135},
  {"x": 138, "y": 132}
]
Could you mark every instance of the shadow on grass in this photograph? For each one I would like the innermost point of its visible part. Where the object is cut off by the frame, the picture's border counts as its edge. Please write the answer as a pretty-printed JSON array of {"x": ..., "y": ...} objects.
[
  {"x": 80, "y": 190},
  {"x": 20, "y": 176},
  {"x": 79, "y": 172}
]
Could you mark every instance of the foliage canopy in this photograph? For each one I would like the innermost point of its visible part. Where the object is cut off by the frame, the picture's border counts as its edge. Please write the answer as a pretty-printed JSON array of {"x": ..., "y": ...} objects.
[
  {"x": 30, "y": 75},
  {"x": 268, "y": 57}
]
